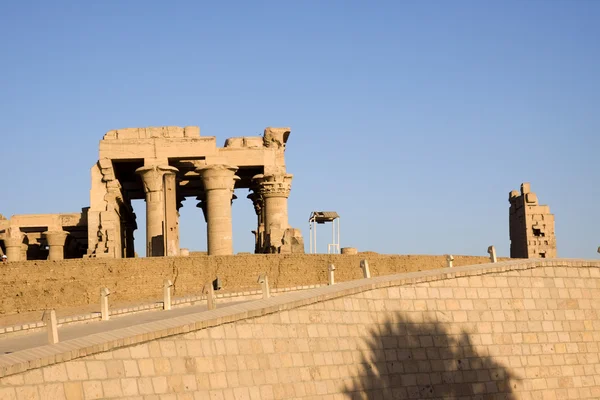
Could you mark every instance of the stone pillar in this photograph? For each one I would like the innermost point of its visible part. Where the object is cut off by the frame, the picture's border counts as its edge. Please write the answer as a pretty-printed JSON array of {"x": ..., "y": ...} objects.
[
  {"x": 259, "y": 233},
  {"x": 219, "y": 181},
  {"x": 56, "y": 241},
  {"x": 171, "y": 216},
  {"x": 130, "y": 228},
  {"x": 275, "y": 190},
  {"x": 153, "y": 178},
  {"x": 13, "y": 246}
]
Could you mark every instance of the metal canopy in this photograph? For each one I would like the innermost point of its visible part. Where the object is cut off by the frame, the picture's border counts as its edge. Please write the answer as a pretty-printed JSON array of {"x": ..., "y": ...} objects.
[{"x": 321, "y": 217}]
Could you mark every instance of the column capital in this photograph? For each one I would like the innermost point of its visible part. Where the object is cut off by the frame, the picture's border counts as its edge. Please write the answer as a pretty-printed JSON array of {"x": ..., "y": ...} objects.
[
  {"x": 218, "y": 176},
  {"x": 152, "y": 176},
  {"x": 13, "y": 241},
  {"x": 56, "y": 238},
  {"x": 274, "y": 185},
  {"x": 257, "y": 201}
]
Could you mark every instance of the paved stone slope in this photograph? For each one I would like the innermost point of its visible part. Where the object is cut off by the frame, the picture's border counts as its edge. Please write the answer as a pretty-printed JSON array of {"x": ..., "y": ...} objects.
[{"x": 520, "y": 329}]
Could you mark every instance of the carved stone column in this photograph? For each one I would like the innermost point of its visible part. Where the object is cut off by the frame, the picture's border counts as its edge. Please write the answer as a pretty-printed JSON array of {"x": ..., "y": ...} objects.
[
  {"x": 13, "y": 246},
  {"x": 257, "y": 201},
  {"x": 219, "y": 181},
  {"x": 56, "y": 242},
  {"x": 153, "y": 178},
  {"x": 275, "y": 190},
  {"x": 130, "y": 227}
]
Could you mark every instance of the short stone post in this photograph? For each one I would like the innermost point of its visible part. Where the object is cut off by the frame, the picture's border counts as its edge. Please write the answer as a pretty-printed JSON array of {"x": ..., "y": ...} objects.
[
  {"x": 364, "y": 265},
  {"x": 330, "y": 274},
  {"x": 264, "y": 283},
  {"x": 104, "y": 293},
  {"x": 450, "y": 260},
  {"x": 492, "y": 253},
  {"x": 209, "y": 291},
  {"x": 167, "y": 284},
  {"x": 51, "y": 325}
]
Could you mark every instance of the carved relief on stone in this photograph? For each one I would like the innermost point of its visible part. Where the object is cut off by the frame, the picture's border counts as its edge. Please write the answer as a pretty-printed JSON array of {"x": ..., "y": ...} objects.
[
  {"x": 274, "y": 185},
  {"x": 107, "y": 170},
  {"x": 276, "y": 137}
]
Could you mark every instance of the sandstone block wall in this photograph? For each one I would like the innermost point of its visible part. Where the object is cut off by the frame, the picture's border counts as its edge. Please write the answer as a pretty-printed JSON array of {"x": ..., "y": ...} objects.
[
  {"x": 521, "y": 332},
  {"x": 38, "y": 285}
]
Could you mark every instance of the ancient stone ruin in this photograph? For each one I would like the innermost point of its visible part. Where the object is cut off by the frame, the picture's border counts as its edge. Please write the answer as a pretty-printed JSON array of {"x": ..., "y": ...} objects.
[
  {"x": 531, "y": 226},
  {"x": 163, "y": 166}
]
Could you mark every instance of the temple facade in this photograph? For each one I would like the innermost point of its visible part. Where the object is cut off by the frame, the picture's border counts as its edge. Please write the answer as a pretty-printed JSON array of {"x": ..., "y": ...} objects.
[{"x": 164, "y": 166}]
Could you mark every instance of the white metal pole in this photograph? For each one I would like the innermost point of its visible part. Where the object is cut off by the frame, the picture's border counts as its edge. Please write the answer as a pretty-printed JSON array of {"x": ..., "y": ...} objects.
[
  {"x": 339, "y": 244},
  {"x": 333, "y": 235},
  {"x": 315, "y": 224},
  {"x": 310, "y": 236}
]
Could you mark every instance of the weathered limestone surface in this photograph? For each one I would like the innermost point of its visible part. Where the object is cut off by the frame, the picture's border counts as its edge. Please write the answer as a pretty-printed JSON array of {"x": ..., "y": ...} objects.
[
  {"x": 25, "y": 234},
  {"x": 114, "y": 186},
  {"x": 165, "y": 165},
  {"x": 56, "y": 242},
  {"x": 511, "y": 332},
  {"x": 531, "y": 226},
  {"x": 35, "y": 285},
  {"x": 219, "y": 181},
  {"x": 159, "y": 183}
]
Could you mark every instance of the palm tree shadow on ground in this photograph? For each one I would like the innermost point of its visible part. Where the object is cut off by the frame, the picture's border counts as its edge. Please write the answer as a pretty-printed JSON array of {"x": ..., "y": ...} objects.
[{"x": 408, "y": 360}]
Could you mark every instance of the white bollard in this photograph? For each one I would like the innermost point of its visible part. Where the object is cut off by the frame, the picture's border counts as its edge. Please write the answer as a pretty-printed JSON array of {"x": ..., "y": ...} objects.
[
  {"x": 51, "y": 325},
  {"x": 167, "y": 284},
  {"x": 364, "y": 265},
  {"x": 492, "y": 253},
  {"x": 264, "y": 283},
  {"x": 104, "y": 293},
  {"x": 450, "y": 260},
  {"x": 209, "y": 291},
  {"x": 331, "y": 274}
]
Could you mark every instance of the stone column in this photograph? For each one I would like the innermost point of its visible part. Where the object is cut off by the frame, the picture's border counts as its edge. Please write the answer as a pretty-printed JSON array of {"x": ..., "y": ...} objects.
[
  {"x": 154, "y": 187},
  {"x": 171, "y": 216},
  {"x": 219, "y": 181},
  {"x": 130, "y": 227},
  {"x": 56, "y": 241},
  {"x": 259, "y": 233},
  {"x": 13, "y": 246},
  {"x": 275, "y": 190}
]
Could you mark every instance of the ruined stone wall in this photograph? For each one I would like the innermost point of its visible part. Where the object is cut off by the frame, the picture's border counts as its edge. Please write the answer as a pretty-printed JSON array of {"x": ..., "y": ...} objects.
[
  {"x": 531, "y": 226},
  {"x": 37, "y": 285},
  {"x": 526, "y": 333}
]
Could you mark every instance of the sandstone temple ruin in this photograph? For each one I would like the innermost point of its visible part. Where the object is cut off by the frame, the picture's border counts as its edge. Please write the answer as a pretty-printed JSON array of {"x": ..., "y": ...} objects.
[
  {"x": 163, "y": 166},
  {"x": 531, "y": 226}
]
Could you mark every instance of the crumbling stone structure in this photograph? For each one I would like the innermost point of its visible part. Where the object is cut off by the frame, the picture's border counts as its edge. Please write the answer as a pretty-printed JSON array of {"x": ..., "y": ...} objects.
[
  {"x": 531, "y": 226},
  {"x": 44, "y": 236},
  {"x": 164, "y": 166}
]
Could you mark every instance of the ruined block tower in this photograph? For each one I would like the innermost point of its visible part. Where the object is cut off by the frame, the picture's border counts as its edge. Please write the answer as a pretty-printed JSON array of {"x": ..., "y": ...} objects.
[{"x": 531, "y": 226}]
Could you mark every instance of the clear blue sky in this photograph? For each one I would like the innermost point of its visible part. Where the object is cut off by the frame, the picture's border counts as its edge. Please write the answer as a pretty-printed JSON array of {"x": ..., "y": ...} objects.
[{"x": 412, "y": 119}]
